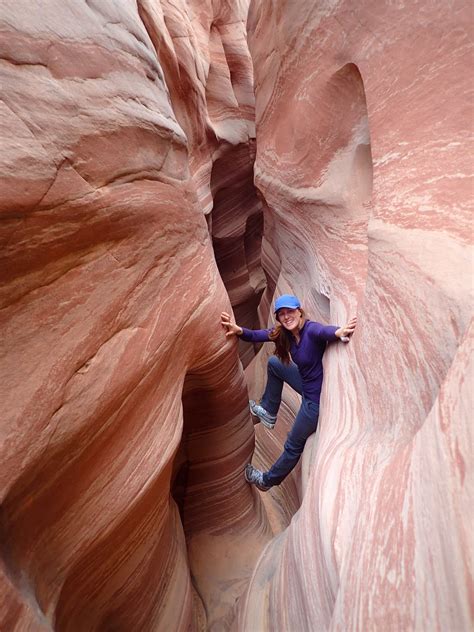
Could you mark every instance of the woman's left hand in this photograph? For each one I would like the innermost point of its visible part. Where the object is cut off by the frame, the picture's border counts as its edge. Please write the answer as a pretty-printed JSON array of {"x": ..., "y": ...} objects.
[{"x": 347, "y": 330}]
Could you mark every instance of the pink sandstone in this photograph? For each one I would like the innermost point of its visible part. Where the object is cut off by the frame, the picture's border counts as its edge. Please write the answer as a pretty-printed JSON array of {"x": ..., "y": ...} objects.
[
  {"x": 130, "y": 220},
  {"x": 363, "y": 125},
  {"x": 125, "y": 425}
]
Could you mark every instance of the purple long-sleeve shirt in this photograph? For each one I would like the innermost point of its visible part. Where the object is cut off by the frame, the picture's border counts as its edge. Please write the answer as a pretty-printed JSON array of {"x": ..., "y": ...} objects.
[{"x": 307, "y": 355}]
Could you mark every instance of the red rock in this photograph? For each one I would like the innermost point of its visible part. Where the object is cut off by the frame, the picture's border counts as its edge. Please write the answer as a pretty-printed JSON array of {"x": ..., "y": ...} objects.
[
  {"x": 362, "y": 117},
  {"x": 128, "y": 138},
  {"x": 113, "y": 122}
]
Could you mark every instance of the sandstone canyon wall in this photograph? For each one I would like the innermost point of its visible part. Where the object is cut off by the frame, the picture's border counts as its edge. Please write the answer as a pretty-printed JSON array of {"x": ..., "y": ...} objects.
[
  {"x": 364, "y": 124},
  {"x": 125, "y": 425},
  {"x": 129, "y": 220}
]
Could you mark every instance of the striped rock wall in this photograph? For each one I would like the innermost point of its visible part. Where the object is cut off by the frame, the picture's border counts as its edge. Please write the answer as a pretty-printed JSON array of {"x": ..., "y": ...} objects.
[
  {"x": 125, "y": 425},
  {"x": 130, "y": 220},
  {"x": 363, "y": 123}
]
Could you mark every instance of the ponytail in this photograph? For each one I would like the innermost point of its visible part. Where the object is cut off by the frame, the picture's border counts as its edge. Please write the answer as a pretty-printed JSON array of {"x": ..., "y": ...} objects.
[{"x": 281, "y": 337}]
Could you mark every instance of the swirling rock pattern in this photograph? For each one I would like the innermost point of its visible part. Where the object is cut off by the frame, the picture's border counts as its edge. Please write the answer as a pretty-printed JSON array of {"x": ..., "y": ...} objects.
[
  {"x": 125, "y": 425},
  {"x": 128, "y": 139},
  {"x": 362, "y": 132}
]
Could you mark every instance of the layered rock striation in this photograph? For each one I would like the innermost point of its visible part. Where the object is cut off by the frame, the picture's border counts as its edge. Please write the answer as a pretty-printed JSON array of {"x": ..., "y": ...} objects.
[
  {"x": 363, "y": 122},
  {"x": 125, "y": 425},
  {"x": 130, "y": 219}
]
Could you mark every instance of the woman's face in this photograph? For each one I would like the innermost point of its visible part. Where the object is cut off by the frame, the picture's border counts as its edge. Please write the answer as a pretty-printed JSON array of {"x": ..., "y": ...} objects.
[{"x": 289, "y": 318}]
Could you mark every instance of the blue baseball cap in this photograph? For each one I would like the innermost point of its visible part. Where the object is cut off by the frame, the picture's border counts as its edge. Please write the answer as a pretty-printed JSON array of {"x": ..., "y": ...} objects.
[{"x": 287, "y": 300}]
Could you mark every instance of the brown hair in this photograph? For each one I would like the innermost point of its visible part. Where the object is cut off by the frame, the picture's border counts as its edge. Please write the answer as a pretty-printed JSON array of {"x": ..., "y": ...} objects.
[{"x": 282, "y": 339}]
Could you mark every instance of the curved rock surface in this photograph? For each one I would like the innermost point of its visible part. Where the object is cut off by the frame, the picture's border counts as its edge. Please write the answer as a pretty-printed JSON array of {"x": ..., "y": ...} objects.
[
  {"x": 129, "y": 218},
  {"x": 125, "y": 422},
  {"x": 363, "y": 123}
]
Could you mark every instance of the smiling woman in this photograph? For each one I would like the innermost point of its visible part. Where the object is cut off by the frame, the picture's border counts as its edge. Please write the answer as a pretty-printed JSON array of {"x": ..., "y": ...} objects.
[{"x": 299, "y": 350}]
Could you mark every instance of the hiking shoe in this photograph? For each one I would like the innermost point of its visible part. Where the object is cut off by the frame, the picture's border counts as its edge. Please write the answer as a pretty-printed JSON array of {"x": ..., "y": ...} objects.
[
  {"x": 255, "y": 477},
  {"x": 259, "y": 411}
]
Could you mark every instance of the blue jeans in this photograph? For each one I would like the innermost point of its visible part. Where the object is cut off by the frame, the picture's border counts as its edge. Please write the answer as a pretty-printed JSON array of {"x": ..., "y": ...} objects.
[{"x": 305, "y": 423}]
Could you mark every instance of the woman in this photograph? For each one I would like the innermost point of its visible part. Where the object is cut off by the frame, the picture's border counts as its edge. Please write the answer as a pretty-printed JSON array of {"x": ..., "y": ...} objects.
[{"x": 299, "y": 349}]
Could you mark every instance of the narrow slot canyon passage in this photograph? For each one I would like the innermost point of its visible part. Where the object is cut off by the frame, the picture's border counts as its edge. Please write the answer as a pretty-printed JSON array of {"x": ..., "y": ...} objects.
[{"x": 163, "y": 162}]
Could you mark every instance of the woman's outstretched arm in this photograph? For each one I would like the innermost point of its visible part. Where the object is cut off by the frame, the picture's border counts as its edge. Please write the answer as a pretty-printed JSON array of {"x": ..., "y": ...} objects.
[
  {"x": 330, "y": 333},
  {"x": 248, "y": 335}
]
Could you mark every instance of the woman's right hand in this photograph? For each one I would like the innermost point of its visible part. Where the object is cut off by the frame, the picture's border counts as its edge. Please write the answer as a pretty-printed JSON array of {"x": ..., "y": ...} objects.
[{"x": 232, "y": 328}]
